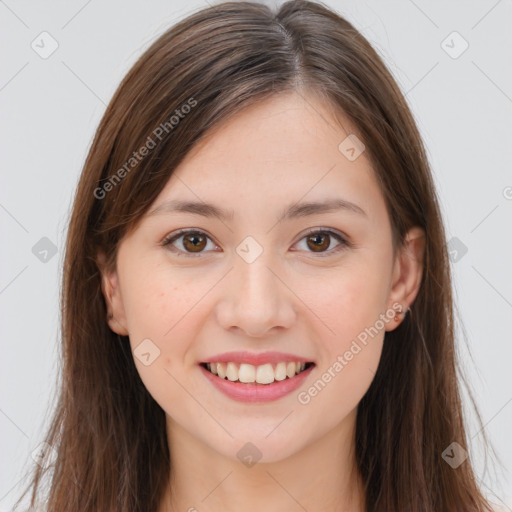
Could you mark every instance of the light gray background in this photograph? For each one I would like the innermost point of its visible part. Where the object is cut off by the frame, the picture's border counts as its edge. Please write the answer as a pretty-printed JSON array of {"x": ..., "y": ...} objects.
[{"x": 51, "y": 107}]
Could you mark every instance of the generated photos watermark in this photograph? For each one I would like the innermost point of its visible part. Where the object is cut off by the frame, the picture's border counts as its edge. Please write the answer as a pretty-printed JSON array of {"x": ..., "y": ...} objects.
[
  {"x": 156, "y": 136},
  {"x": 304, "y": 397}
]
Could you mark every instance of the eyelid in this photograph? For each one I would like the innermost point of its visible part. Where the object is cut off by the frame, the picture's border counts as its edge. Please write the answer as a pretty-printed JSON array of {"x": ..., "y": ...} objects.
[{"x": 343, "y": 240}]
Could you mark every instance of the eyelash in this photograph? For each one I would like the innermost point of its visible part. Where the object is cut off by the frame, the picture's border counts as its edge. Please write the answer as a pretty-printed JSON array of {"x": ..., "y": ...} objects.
[{"x": 168, "y": 240}]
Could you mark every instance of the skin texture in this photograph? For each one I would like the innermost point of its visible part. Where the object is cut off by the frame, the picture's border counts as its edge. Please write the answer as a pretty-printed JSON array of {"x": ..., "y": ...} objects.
[{"x": 291, "y": 299}]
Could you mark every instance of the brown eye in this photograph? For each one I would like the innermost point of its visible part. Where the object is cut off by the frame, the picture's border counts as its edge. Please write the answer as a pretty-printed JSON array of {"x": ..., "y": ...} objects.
[
  {"x": 319, "y": 241},
  {"x": 192, "y": 242}
]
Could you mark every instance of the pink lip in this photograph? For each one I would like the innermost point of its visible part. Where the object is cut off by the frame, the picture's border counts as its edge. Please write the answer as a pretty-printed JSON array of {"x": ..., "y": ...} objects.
[
  {"x": 255, "y": 359},
  {"x": 257, "y": 392}
]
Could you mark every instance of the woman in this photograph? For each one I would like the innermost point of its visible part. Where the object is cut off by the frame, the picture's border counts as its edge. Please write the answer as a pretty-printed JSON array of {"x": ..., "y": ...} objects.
[{"x": 257, "y": 307}]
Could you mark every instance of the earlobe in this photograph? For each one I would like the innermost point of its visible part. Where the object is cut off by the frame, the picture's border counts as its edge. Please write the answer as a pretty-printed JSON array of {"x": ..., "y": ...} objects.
[
  {"x": 116, "y": 317},
  {"x": 408, "y": 271}
]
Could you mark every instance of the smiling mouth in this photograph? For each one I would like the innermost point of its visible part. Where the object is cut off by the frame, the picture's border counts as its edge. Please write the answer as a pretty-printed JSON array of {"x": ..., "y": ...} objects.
[{"x": 257, "y": 375}]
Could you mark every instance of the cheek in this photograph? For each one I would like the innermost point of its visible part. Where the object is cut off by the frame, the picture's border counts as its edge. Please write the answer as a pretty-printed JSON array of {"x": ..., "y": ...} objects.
[
  {"x": 154, "y": 297},
  {"x": 340, "y": 385},
  {"x": 146, "y": 304},
  {"x": 348, "y": 303},
  {"x": 158, "y": 310},
  {"x": 350, "y": 306},
  {"x": 164, "y": 307}
]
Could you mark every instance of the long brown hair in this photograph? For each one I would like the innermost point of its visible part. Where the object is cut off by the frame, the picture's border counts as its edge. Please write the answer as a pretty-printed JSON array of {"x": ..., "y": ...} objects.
[{"x": 108, "y": 432}]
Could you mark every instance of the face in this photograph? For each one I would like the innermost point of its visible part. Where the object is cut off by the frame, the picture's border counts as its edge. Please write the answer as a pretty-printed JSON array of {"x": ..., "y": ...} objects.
[{"x": 321, "y": 286}]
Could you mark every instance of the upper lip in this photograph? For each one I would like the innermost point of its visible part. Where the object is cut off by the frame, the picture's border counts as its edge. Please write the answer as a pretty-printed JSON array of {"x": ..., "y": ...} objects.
[{"x": 255, "y": 358}]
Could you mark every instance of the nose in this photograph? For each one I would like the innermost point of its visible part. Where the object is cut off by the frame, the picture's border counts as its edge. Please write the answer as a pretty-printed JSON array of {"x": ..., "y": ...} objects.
[{"x": 255, "y": 299}]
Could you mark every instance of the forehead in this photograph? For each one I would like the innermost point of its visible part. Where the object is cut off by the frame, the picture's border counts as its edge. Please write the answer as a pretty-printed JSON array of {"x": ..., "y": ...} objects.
[{"x": 286, "y": 148}]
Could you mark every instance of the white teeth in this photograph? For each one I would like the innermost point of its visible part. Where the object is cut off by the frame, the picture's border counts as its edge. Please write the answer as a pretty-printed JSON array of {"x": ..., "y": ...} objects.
[
  {"x": 247, "y": 373},
  {"x": 232, "y": 372},
  {"x": 221, "y": 370},
  {"x": 265, "y": 374},
  {"x": 262, "y": 374},
  {"x": 280, "y": 371}
]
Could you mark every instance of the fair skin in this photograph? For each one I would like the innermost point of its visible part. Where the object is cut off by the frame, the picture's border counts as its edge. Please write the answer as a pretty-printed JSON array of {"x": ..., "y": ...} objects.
[{"x": 291, "y": 298}]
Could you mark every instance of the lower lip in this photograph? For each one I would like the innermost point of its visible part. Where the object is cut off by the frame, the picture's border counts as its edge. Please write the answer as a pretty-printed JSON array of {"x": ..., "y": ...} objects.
[{"x": 257, "y": 392}]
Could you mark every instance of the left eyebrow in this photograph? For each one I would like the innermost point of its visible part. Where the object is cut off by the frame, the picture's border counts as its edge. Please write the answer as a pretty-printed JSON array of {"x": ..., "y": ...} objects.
[
  {"x": 292, "y": 211},
  {"x": 313, "y": 208}
]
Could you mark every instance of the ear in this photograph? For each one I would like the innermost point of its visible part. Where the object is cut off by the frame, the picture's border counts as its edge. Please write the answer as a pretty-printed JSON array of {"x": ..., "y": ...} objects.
[
  {"x": 407, "y": 272},
  {"x": 116, "y": 317}
]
